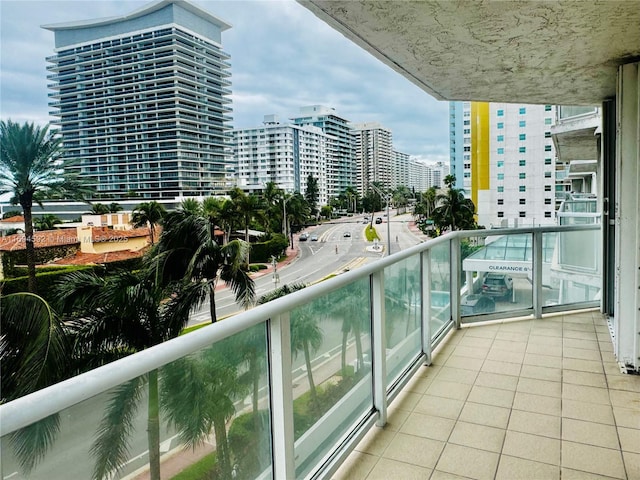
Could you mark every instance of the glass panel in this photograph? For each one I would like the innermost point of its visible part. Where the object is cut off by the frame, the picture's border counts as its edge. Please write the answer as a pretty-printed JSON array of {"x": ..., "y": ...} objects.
[
  {"x": 502, "y": 272},
  {"x": 440, "y": 288},
  {"x": 331, "y": 352},
  {"x": 403, "y": 313},
  {"x": 573, "y": 275},
  {"x": 215, "y": 399}
]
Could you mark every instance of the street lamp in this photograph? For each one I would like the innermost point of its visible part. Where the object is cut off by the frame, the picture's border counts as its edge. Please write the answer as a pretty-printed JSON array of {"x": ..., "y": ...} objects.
[
  {"x": 284, "y": 215},
  {"x": 387, "y": 197}
]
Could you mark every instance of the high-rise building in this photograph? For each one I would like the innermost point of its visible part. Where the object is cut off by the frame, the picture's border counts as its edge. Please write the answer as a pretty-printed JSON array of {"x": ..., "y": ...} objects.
[
  {"x": 400, "y": 174},
  {"x": 340, "y": 158},
  {"x": 281, "y": 153},
  {"x": 373, "y": 145},
  {"x": 142, "y": 101},
  {"x": 511, "y": 161},
  {"x": 460, "y": 144}
]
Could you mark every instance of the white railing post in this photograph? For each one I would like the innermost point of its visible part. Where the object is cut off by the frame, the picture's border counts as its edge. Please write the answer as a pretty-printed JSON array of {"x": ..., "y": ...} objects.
[
  {"x": 379, "y": 347},
  {"x": 537, "y": 259},
  {"x": 281, "y": 384},
  {"x": 425, "y": 278},
  {"x": 454, "y": 271}
]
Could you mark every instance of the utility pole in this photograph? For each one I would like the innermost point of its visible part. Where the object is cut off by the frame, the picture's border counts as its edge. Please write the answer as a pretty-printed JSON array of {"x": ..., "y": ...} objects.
[{"x": 387, "y": 197}]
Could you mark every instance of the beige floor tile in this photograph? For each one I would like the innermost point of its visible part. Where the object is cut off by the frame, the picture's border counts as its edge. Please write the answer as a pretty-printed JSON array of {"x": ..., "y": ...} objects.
[
  {"x": 442, "y": 388},
  {"x": 406, "y": 400},
  {"x": 628, "y": 383},
  {"x": 584, "y": 378},
  {"x": 587, "y": 458},
  {"x": 539, "y": 387},
  {"x": 464, "y": 363},
  {"x": 471, "y": 352},
  {"x": 485, "y": 415},
  {"x": 477, "y": 436},
  {"x": 544, "y": 340},
  {"x": 582, "y": 365},
  {"x": 581, "y": 327},
  {"x": 535, "y": 423},
  {"x": 577, "y": 343},
  {"x": 418, "y": 384},
  {"x": 522, "y": 326},
  {"x": 512, "y": 336},
  {"x": 544, "y": 349},
  {"x": 590, "y": 433},
  {"x": 569, "y": 474},
  {"x": 491, "y": 396},
  {"x": 552, "y": 332},
  {"x": 476, "y": 342},
  {"x": 590, "y": 412},
  {"x": 439, "y": 406},
  {"x": 386, "y": 469},
  {"x": 438, "y": 475},
  {"x": 419, "y": 451},
  {"x": 581, "y": 353},
  {"x": 428, "y": 426},
  {"x": 495, "y": 380},
  {"x": 629, "y": 439},
  {"x": 532, "y": 447},
  {"x": 396, "y": 417},
  {"x": 632, "y": 464},
  {"x": 376, "y": 441},
  {"x": 606, "y": 347},
  {"x": 468, "y": 462},
  {"x": 510, "y": 345},
  {"x": 458, "y": 375},
  {"x": 624, "y": 399},
  {"x": 481, "y": 332},
  {"x": 498, "y": 355},
  {"x": 503, "y": 368},
  {"x": 513, "y": 468},
  {"x": 356, "y": 467},
  {"x": 584, "y": 393},
  {"x": 541, "y": 373},
  {"x": 537, "y": 404},
  {"x": 626, "y": 417},
  {"x": 580, "y": 335},
  {"x": 542, "y": 360}
]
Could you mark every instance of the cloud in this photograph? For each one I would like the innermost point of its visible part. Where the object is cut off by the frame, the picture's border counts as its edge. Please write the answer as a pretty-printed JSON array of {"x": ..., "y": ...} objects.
[{"x": 283, "y": 57}]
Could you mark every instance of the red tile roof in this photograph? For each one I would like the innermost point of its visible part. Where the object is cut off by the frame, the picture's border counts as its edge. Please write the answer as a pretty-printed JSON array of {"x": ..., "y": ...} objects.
[
  {"x": 14, "y": 219},
  {"x": 99, "y": 258},
  {"x": 103, "y": 234},
  {"x": 48, "y": 238}
]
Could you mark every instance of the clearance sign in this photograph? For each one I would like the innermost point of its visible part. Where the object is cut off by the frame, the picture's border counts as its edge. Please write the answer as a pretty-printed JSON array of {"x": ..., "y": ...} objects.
[{"x": 496, "y": 266}]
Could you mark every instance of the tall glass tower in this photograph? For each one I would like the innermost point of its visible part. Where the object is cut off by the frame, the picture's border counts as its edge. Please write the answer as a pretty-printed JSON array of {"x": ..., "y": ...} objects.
[{"x": 142, "y": 101}]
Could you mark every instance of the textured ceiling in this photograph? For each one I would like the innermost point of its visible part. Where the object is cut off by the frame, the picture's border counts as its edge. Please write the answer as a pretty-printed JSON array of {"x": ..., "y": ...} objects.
[{"x": 559, "y": 52}]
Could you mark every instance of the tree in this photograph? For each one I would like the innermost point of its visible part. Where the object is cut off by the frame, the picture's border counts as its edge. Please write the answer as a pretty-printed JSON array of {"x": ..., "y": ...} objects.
[
  {"x": 31, "y": 168},
  {"x": 115, "y": 316},
  {"x": 297, "y": 212},
  {"x": 246, "y": 207},
  {"x": 115, "y": 207},
  {"x": 47, "y": 222},
  {"x": 188, "y": 250},
  {"x": 306, "y": 336},
  {"x": 148, "y": 214},
  {"x": 99, "y": 209},
  {"x": 33, "y": 352},
  {"x": 454, "y": 211},
  {"x": 311, "y": 195}
]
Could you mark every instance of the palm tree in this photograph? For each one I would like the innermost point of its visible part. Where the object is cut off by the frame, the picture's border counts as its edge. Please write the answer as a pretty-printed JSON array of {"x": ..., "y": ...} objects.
[
  {"x": 33, "y": 353},
  {"x": 115, "y": 207},
  {"x": 306, "y": 335},
  {"x": 297, "y": 212},
  {"x": 188, "y": 249},
  {"x": 349, "y": 307},
  {"x": 148, "y": 214},
  {"x": 46, "y": 222},
  {"x": 31, "y": 169},
  {"x": 99, "y": 209},
  {"x": 247, "y": 207},
  {"x": 453, "y": 210},
  {"x": 115, "y": 316}
]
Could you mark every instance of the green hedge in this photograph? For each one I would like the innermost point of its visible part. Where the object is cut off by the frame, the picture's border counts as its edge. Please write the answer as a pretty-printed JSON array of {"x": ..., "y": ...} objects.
[
  {"x": 263, "y": 251},
  {"x": 44, "y": 281}
]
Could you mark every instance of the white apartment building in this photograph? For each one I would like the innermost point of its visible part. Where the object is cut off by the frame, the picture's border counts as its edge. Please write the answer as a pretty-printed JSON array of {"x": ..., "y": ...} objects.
[
  {"x": 340, "y": 164},
  {"x": 142, "y": 101},
  {"x": 285, "y": 154},
  {"x": 400, "y": 169},
  {"x": 373, "y": 145}
]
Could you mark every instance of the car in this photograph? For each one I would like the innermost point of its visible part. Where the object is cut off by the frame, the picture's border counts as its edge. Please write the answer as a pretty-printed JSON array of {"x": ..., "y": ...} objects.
[
  {"x": 378, "y": 219},
  {"x": 477, "y": 303},
  {"x": 313, "y": 238},
  {"x": 346, "y": 234},
  {"x": 304, "y": 236},
  {"x": 497, "y": 285}
]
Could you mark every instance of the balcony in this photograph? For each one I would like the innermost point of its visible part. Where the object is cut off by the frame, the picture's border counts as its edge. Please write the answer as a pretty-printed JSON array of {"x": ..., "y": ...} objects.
[{"x": 530, "y": 387}]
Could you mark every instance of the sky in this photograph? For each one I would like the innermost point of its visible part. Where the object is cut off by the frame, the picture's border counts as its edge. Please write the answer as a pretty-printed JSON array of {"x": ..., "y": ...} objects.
[{"x": 283, "y": 57}]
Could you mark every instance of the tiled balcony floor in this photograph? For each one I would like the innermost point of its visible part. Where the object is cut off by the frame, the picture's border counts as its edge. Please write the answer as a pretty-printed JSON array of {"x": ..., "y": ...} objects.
[{"x": 533, "y": 399}]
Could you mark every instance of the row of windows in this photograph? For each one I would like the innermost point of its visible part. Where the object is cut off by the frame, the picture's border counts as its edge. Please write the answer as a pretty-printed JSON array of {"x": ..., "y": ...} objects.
[
  {"x": 524, "y": 214},
  {"x": 523, "y": 201}
]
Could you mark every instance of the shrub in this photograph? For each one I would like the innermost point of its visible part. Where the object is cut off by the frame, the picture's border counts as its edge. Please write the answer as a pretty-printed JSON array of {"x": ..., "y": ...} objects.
[
  {"x": 44, "y": 281},
  {"x": 262, "y": 252}
]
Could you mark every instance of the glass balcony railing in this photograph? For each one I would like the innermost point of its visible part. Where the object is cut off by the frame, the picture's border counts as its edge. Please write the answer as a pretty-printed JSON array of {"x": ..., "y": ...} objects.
[{"x": 287, "y": 389}]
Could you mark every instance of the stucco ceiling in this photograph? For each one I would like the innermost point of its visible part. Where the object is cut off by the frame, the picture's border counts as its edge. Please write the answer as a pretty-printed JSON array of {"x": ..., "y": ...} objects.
[{"x": 558, "y": 52}]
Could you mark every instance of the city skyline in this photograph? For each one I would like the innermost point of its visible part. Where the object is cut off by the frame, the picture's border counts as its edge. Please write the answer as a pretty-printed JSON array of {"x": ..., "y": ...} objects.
[{"x": 263, "y": 40}]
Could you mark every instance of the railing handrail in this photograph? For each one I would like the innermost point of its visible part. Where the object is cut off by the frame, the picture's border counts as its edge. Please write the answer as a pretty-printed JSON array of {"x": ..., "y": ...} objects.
[{"x": 26, "y": 410}]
